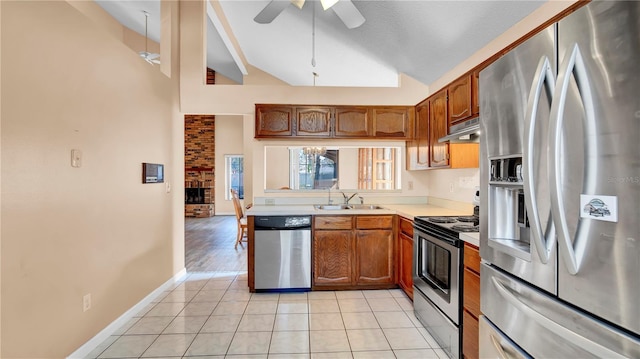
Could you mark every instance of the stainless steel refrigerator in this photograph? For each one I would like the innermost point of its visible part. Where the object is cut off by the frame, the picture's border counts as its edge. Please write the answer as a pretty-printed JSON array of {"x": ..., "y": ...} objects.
[{"x": 560, "y": 190}]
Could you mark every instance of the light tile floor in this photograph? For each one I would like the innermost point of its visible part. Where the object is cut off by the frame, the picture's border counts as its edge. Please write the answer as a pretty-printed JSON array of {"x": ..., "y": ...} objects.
[{"x": 213, "y": 315}]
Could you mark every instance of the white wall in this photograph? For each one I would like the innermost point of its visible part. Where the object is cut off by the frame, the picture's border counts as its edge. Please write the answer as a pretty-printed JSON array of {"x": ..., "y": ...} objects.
[
  {"x": 229, "y": 140},
  {"x": 67, "y": 232}
]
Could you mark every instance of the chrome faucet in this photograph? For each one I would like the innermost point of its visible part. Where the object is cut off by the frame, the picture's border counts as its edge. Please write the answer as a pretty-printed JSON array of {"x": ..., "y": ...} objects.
[
  {"x": 361, "y": 199},
  {"x": 347, "y": 199}
]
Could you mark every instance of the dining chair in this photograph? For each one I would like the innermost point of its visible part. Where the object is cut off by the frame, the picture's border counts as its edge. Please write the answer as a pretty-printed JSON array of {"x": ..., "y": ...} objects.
[{"x": 241, "y": 219}]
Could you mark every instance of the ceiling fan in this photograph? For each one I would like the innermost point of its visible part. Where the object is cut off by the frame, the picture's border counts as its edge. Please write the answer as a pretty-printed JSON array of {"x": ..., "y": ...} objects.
[
  {"x": 345, "y": 9},
  {"x": 149, "y": 57}
]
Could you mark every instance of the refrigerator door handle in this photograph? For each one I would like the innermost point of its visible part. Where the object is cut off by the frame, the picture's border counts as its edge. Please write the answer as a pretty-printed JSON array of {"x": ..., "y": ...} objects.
[
  {"x": 543, "y": 77},
  {"x": 498, "y": 346},
  {"x": 573, "y": 63},
  {"x": 562, "y": 332}
]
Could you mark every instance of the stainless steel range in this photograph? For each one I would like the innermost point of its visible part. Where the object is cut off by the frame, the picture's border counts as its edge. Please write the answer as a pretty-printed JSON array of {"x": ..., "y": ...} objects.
[{"x": 437, "y": 276}]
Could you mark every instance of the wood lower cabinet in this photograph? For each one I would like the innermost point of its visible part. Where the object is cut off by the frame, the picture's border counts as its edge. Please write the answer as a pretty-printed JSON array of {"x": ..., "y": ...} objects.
[
  {"x": 471, "y": 302},
  {"x": 353, "y": 252},
  {"x": 405, "y": 255},
  {"x": 470, "y": 335},
  {"x": 333, "y": 259}
]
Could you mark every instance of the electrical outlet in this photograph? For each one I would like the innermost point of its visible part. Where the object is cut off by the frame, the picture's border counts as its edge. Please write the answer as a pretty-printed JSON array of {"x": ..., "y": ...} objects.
[
  {"x": 410, "y": 185},
  {"x": 451, "y": 187},
  {"x": 269, "y": 201},
  {"x": 86, "y": 302}
]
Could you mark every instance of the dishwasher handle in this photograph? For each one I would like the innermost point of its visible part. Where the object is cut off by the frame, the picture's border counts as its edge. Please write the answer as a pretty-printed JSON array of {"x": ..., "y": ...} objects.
[{"x": 279, "y": 223}]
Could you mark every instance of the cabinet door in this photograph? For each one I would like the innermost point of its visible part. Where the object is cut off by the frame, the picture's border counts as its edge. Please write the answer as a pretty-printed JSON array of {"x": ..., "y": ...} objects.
[
  {"x": 460, "y": 99},
  {"x": 274, "y": 121},
  {"x": 421, "y": 136},
  {"x": 470, "y": 336},
  {"x": 471, "y": 297},
  {"x": 406, "y": 264},
  {"x": 333, "y": 257},
  {"x": 352, "y": 121},
  {"x": 439, "y": 152},
  {"x": 475, "y": 100},
  {"x": 313, "y": 121},
  {"x": 392, "y": 122},
  {"x": 374, "y": 257}
]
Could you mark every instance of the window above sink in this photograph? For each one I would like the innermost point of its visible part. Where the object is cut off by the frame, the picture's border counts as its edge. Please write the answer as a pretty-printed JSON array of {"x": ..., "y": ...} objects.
[{"x": 347, "y": 168}]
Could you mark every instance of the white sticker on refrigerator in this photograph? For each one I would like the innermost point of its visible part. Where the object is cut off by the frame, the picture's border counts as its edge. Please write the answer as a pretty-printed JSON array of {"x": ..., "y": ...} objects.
[{"x": 602, "y": 208}]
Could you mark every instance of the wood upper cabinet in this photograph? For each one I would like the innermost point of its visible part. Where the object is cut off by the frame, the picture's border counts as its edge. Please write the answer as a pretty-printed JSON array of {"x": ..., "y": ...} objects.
[
  {"x": 418, "y": 148},
  {"x": 353, "y": 121},
  {"x": 313, "y": 121},
  {"x": 405, "y": 255},
  {"x": 475, "y": 92},
  {"x": 439, "y": 152},
  {"x": 460, "y": 99},
  {"x": 393, "y": 121},
  {"x": 365, "y": 122},
  {"x": 274, "y": 121}
]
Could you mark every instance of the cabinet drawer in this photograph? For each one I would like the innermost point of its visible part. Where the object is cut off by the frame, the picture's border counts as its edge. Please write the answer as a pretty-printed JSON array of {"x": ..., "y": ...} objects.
[
  {"x": 374, "y": 222},
  {"x": 471, "y": 257},
  {"x": 406, "y": 226},
  {"x": 333, "y": 222},
  {"x": 472, "y": 292},
  {"x": 470, "y": 336}
]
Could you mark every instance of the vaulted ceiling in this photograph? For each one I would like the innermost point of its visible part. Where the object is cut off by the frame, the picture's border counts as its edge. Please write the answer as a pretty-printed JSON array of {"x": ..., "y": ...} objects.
[{"x": 423, "y": 39}]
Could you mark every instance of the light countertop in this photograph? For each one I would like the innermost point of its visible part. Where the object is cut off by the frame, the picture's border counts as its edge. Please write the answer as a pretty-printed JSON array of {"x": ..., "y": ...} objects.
[
  {"x": 472, "y": 238},
  {"x": 408, "y": 211}
]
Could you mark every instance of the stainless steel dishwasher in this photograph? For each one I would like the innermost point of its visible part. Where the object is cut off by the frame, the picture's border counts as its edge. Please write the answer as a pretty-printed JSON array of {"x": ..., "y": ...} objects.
[{"x": 282, "y": 253}]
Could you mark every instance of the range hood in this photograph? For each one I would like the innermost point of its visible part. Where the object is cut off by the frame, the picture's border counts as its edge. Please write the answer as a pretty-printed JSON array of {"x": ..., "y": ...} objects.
[{"x": 465, "y": 132}]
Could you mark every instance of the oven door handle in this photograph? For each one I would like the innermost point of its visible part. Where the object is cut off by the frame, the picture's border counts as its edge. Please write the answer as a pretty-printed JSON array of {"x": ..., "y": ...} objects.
[{"x": 434, "y": 285}]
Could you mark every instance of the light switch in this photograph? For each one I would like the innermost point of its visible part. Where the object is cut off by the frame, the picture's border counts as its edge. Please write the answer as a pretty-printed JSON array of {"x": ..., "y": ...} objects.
[
  {"x": 167, "y": 186},
  {"x": 76, "y": 158}
]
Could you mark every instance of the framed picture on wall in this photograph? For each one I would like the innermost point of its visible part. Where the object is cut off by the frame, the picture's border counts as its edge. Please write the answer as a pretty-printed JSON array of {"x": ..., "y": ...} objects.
[{"x": 152, "y": 173}]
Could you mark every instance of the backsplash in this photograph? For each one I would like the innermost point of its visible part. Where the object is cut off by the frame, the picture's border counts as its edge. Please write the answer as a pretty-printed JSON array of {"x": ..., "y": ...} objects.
[{"x": 454, "y": 184}]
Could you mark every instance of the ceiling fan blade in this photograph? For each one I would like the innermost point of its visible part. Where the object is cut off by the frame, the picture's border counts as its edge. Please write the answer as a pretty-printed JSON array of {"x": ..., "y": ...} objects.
[
  {"x": 348, "y": 13},
  {"x": 273, "y": 9},
  {"x": 153, "y": 56},
  {"x": 157, "y": 62},
  {"x": 298, "y": 3}
]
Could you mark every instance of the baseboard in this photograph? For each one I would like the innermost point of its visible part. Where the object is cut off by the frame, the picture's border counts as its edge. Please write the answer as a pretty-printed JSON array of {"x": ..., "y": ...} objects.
[{"x": 105, "y": 333}]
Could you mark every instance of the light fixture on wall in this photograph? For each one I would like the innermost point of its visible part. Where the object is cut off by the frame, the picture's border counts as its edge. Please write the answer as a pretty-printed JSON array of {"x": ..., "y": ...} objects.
[{"x": 320, "y": 151}]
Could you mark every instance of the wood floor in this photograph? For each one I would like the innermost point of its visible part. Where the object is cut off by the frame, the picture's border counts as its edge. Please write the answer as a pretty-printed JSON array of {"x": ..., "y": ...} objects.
[{"x": 209, "y": 245}]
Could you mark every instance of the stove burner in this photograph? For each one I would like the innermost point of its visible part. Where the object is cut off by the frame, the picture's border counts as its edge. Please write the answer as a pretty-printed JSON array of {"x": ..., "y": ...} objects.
[
  {"x": 442, "y": 219},
  {"x": 467, "y": 219},
  {"x": 465, "y": 228}
]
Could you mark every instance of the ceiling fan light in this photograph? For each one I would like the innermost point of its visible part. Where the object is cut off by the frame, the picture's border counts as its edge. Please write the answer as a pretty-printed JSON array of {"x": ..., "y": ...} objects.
[
  {"x": 326, "y": 4},
  {"x": 298, "y": 3}
]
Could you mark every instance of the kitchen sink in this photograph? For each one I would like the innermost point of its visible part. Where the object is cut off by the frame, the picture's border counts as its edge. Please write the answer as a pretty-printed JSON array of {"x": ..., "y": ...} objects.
[
  {"x": 346, "y": 206},
  {"x": 332, "y": 206},
  {"x": 365, "y": 206}
]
